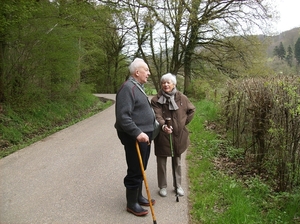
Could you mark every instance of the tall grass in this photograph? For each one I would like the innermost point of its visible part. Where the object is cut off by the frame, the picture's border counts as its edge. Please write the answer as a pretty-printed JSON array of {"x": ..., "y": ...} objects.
[{"x": 221, "y": 197}]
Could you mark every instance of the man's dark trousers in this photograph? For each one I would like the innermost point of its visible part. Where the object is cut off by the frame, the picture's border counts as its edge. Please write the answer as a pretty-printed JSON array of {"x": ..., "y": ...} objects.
[{"x": 134, "y": 174}]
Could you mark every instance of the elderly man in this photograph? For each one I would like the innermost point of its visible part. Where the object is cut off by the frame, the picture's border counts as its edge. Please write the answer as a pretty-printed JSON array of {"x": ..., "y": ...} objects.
[{"x": 134, "y": 122}]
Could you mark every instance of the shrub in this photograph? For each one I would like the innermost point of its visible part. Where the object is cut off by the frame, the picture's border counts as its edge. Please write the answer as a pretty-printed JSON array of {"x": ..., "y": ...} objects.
[{"x": 263, "y": 118}]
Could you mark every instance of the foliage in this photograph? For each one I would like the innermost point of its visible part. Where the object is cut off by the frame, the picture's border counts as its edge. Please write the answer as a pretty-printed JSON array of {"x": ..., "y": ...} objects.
[
  {"x": 297, "y": 51},
  {"x": 32, "y": 124},
  {"x": 218, "y": 197},
  {"x": 168, "y": 34},
  {"x": 235, "y": 57},
  {"x": 206, "y": 88},
  {"x": 289, "y": 56},
  {"x": 288, "y": 38},
  {"x": 262, "y": 117},
  {"x": 103, "y": 64},
  {"x": 53, "y": 56},
  {"x": 279, "y": 51},
  {"x": 50, "y": 49}
]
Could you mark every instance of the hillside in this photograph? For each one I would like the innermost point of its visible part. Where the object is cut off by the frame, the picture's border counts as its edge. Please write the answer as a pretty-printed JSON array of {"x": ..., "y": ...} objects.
[{"x": 287, "y": 38}]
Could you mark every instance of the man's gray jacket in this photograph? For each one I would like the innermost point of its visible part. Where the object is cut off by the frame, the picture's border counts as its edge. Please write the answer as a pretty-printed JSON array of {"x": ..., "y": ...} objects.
[{"x": 134, "y": 114}]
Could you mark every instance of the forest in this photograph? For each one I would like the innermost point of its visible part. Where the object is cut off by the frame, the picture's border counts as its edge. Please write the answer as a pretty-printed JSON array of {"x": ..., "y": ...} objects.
[
  {"x": 57, "y": 49},
  {"x": 59, "y": 52}
]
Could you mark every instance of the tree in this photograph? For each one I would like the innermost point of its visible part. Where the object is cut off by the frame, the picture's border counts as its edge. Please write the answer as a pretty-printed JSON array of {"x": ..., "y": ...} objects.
[
  {"x": 169, "y": 33},
  {"x": 297, "y": 51},
  {"x": 12, "y": 14},
  {"x": 235, "y": 57},
  {"x": 289, "y": 56},
  {"x": 53, "y": 50},
  {"x": 279, "y": 51}
]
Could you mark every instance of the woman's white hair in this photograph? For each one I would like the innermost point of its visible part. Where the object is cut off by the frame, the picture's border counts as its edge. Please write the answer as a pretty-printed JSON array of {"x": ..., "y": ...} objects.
[
  {"x": 135, "y": 64},
  {"x": 168, "y": 77}
]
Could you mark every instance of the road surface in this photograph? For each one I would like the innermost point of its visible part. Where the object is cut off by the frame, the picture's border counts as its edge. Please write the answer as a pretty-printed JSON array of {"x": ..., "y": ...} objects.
[{"x": 76, "y": 176}]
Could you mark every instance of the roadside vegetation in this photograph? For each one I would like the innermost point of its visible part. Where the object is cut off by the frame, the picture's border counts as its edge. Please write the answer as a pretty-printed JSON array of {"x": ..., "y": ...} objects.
[
  {"x": 22, "y": 128},
  {"x": 223, "y": 187}
]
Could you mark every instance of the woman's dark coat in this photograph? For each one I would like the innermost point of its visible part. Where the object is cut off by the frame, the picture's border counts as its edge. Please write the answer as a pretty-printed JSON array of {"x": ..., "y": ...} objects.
[{"x": 179, "y": 119}]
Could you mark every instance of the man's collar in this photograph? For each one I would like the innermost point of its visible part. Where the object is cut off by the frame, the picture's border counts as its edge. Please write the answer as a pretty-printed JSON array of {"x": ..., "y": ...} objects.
[{"x": 131, "y": 78}]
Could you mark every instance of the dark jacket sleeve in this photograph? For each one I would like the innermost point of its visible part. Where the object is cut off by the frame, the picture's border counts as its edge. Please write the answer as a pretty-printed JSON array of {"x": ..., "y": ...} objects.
[{"x": 190, "y": 111}]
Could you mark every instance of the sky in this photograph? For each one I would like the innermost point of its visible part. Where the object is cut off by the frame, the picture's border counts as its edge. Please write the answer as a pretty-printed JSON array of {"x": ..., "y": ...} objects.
[{"x": 289, "y": 14}]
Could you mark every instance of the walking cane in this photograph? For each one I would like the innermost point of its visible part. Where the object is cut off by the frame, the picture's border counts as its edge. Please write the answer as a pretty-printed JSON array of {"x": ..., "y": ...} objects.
[
  {"x": 168, "y": 122},
  {"x": 145, "y": 181}
]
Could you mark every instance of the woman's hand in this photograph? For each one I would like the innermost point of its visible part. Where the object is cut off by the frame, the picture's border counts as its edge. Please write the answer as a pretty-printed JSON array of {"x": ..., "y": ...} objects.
[{"x": 167, "y": 129}]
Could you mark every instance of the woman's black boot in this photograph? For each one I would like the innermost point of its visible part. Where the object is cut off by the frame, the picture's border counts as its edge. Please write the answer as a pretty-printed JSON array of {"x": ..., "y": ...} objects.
[{"x": 132, "y": 203}]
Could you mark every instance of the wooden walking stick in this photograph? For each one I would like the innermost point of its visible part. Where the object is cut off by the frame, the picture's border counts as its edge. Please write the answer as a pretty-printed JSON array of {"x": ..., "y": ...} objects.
[
  {"x": 145, "y": 181},
  {"x": 168, "y": 122}
]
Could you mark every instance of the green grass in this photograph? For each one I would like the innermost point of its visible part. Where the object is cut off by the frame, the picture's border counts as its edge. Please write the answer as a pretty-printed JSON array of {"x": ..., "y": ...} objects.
[
  {"x": 22, "y": 127},
  {"x": 216, "y": 197}
]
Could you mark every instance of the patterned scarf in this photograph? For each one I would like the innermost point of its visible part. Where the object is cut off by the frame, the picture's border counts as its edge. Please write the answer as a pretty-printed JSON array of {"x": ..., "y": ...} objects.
[
  {"x": 170, "y": 98},
  {"x": 140, "y": 86}
]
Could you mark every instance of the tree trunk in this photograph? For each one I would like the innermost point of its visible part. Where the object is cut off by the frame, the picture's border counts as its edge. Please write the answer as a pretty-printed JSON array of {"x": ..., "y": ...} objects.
[{"x": 187, "y": 62}]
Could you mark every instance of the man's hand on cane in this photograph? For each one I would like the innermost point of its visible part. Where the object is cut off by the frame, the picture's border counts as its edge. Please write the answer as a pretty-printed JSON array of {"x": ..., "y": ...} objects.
[{"x": 143, "y": 137}]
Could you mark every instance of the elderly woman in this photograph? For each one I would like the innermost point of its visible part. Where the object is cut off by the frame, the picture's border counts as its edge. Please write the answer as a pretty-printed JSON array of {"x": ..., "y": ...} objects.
[{"x": 170, "y": 103}]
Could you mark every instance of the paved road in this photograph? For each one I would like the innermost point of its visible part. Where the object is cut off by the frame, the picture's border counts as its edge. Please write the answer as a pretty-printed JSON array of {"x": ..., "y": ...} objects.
[{"x": 76, "y": 176}]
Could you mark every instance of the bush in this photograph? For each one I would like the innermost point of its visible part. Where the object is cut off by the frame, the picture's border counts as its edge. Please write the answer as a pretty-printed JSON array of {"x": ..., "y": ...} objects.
[{"x": 263, "y": 118}]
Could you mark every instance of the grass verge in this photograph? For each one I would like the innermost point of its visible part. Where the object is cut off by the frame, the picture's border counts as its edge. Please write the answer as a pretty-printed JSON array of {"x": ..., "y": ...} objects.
[
  {"x": 22, "y": 127},
  {"x": 222, "y": 197}
]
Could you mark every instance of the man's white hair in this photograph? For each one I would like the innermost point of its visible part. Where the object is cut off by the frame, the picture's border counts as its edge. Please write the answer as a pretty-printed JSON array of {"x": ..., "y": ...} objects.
[
  {"x": 135, "y": 64},
  {"x": 168, "y": 77}
]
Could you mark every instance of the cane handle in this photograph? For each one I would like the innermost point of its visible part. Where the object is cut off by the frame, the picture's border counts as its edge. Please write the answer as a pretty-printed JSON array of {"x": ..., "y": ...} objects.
[{"x": 168, "y": 122}]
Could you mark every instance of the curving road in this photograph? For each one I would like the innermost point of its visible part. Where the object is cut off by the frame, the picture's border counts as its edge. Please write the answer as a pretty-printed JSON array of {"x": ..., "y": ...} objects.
[{"x": 76, "y": 176}]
